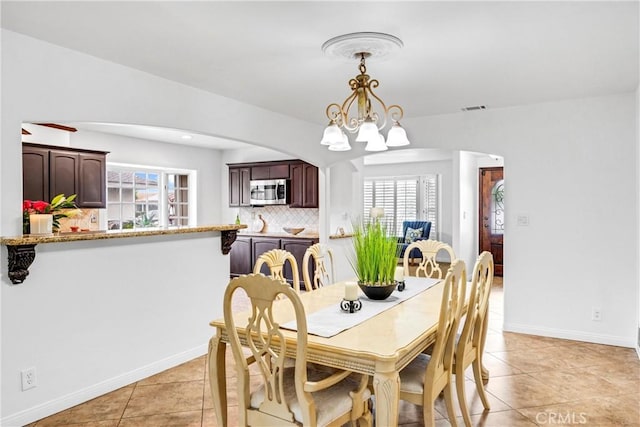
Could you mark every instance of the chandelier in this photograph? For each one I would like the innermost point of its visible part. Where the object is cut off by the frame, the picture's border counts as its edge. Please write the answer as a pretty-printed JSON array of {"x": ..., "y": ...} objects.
[{"x": 363, "y": 111}]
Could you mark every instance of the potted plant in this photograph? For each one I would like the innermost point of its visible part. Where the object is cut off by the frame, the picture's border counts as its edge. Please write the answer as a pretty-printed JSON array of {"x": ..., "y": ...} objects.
[
  {"x": 374, "y": 259},
  {"x": 56, "y": 208}
]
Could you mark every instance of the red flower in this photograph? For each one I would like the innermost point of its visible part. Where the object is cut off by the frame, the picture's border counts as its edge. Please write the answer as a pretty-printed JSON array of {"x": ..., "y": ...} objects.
[
  {"x": 26, "y": 205},
  {"x": 40, "y": 206}
]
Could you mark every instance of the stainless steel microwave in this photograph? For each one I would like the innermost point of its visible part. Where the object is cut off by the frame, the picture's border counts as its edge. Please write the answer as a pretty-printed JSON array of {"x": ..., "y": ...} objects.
[{"x": 269, "y": 192}]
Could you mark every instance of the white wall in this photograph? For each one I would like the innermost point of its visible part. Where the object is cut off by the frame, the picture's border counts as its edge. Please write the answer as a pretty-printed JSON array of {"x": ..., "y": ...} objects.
[
  {"x": 93, "y": 316},
  {"x": 571, "y": 169},
  {"x": 466, "y": 246}
]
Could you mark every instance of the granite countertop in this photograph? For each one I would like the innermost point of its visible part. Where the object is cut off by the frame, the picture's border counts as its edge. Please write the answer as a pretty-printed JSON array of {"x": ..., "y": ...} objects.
[
  {"x": 28, "y": 239},
  {"x": 302, "y": 235},
  {"x": 341, "y": 236}
]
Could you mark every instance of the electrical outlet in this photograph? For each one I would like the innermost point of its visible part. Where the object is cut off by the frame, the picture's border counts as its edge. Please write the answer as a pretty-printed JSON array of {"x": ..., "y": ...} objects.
[
  {"x": 28, "y": 378},
  {"x": 596, "y": 314}
]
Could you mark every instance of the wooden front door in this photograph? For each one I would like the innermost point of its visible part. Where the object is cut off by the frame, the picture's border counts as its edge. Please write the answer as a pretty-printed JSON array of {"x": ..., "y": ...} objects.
[{"x": 492, "y": 214}]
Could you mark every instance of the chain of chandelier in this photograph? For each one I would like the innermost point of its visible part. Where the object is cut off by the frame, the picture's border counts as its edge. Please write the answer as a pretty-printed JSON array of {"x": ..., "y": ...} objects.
[{"x": 368, "y": 123}]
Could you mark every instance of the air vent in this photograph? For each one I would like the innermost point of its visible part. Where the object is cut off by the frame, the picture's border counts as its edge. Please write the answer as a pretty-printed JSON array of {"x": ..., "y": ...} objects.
[{"x": 474, "y": 108}]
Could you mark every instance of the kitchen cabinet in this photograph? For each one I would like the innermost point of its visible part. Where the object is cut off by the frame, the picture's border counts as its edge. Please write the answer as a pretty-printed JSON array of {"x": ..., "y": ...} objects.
[
  {"x": 297, "y": 247},
  {"x": 246, "y": 250},
  {"x": 92, "y": 185},
  {"x": 304, "y": 185},
  {"x": 49, "y": 171},
  {"x": 239, "y": 190},
  {"x": 270, "y": 171},
  {"x": 261, "y": 245},
  {"x": 63, "y": 173},
  {"x": 35, "y": 173},
  {"x": 241, "y": 261}
]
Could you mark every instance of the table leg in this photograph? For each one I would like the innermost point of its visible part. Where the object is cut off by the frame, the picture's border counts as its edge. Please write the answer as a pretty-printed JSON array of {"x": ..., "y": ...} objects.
[
  {"x": 386, "y": 386},
  {"x": 218, "y": 378}
]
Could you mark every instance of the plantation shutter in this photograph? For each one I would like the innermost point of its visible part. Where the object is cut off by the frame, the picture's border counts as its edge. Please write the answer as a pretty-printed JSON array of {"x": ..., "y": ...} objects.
[
  {"x": 406, "y": 202},
  {"x": 431, "y": 204},
  {"x": 403, "y": 199}
]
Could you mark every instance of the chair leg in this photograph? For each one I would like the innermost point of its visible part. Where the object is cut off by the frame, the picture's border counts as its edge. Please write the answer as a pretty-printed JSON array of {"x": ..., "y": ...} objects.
[
  {"x": 448, "y": 400},
  {"x": 477, "y": 375},
  {"x": 462, "y": 398},
  {"x": 428, "y": 411}
]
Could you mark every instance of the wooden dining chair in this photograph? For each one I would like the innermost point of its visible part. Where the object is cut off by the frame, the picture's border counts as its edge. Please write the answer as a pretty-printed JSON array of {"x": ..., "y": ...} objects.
[
  {"x": 428, "y": 266},
  {"x": 294, "y": 396},
  {"x": 426, "y": 376},
  {"x": 470, "y": 342},
  {"x": 275, "y": 260},
  {"x": 321, "y": 255}
]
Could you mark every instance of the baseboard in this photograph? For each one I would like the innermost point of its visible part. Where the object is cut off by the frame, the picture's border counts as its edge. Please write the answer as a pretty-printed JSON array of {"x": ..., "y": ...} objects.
[
  {"x": 570, "y": 335},
  {"x": 64, "y": 402}
]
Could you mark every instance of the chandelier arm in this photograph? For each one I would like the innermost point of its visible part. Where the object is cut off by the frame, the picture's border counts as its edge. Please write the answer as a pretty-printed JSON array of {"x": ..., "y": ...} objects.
[
  {"x": 395, "y": 112},
  {"x": 350, "y": 124},
  {"x": 374, "y": 84},
  {"x": 334, "y": 113}
]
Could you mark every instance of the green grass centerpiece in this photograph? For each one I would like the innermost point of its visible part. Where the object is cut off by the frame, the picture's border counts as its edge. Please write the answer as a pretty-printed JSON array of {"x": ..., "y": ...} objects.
[{"x": 374, "y": 257}]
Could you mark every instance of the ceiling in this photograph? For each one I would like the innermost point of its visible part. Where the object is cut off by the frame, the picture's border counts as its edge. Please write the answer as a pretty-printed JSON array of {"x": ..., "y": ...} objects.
[{"x": 455, "y": 55}]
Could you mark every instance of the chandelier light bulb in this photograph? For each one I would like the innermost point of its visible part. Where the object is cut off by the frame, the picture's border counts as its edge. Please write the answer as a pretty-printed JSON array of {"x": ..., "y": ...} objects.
[
  {"x": 376, "y": 143},
  {"x": 341, "y": 146},
  {"x": 368, "y": 130},
  {"x": 397, "y": 136},
  {"x": 332, "y": 134}
]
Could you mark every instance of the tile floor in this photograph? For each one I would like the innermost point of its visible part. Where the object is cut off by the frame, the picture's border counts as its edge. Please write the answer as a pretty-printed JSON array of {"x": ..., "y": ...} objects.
[{"x": 534, "y": 381}]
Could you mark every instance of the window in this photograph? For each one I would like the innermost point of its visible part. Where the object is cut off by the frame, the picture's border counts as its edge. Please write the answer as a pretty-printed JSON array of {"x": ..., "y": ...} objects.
[
  {"x": 404, "y": 199},
  {"x": 142, "y": 198}
]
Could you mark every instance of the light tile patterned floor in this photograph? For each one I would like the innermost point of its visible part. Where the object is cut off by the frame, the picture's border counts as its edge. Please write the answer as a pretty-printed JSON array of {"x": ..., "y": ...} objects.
[{"x": 534, "y": 381}]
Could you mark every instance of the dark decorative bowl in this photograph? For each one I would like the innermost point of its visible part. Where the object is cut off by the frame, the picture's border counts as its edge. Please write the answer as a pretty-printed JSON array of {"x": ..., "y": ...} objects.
[{"x": 379, "y": 292}]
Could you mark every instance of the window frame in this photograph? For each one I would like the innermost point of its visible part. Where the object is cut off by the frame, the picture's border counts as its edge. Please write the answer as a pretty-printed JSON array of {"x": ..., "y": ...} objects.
[
  {"x": 424, "y": 211},
  {"x": 163, "y": 204}
]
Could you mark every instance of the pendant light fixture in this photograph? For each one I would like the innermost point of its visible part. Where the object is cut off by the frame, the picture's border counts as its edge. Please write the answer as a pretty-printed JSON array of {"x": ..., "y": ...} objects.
[{"x": 363, "y": 112}]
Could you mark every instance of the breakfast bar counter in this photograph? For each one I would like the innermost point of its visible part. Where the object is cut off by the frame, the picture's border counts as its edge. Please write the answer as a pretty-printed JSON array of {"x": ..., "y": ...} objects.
[{"x": 21, "y": 249}]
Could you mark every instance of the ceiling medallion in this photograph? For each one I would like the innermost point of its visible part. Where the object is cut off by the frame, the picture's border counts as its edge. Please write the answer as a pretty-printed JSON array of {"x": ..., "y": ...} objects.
[{"x": 370, "y": 113}]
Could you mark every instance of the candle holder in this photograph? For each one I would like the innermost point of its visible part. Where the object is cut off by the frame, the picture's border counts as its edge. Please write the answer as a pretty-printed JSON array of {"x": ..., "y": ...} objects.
[
  {"x": 401, "y": 285},
  {"x": 350, "y": 306}
]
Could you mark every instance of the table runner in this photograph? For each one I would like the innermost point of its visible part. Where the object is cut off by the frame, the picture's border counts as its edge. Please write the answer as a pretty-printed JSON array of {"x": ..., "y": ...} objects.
[{"x": 332, "y": 320}]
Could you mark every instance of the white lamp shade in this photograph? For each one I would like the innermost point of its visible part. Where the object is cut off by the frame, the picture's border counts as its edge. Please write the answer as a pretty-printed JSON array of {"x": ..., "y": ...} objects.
[
  {"x": 342, "y": 145},
  {"x": 332, "y": 135},
  {"x": 368, "y": 130},
  {"x": 376, "y": 144},
  {"x": 397, "y": 136}
]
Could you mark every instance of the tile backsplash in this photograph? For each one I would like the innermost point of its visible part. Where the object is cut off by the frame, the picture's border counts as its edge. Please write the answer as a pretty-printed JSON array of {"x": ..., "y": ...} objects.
[
  {"x": 280, "y": 216},
  {"x": 87, "y": 219}
]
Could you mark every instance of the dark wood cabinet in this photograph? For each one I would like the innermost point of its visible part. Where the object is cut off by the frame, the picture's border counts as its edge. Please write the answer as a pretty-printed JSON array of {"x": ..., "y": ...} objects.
[
  {"x": 303, "y": 181},
  {"x": 270, "y": 171},
  {"x": 304, "y": 185},
  {"x": 297, "y": 247},
  {"x": 239, "y": 190},
  {"x": 63, "y": 173},
  {"x": 261, "y": 245},
  {"x": 35, "y": 176},
  {"x": 92, "y": 184},
  {"x": 48, "y": 171},
  {"x": 246, "y": 250},
  {"x": 241, "y": 261}
]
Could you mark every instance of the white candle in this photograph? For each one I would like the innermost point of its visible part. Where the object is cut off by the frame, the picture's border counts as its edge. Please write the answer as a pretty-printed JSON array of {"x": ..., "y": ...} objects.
[
  {"x": 40, "y": 223},
  {"x": 399, "y": 275},
  {"x": 350, "y": 291}
]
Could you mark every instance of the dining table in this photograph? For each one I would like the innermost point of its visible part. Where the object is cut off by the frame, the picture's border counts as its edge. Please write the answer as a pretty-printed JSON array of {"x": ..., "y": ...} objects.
[{"x": 379, "y": 345}]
